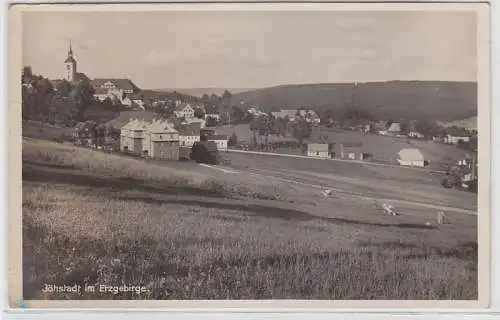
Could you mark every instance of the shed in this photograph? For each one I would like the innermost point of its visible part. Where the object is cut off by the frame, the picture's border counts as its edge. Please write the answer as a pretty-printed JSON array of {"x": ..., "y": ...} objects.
[{"x": 411, "y": 157}]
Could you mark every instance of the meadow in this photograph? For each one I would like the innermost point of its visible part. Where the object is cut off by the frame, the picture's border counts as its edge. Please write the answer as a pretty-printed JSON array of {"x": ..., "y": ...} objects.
[
  {"x": 188, "y": 232},
  {"x": 382, "y": 148}
]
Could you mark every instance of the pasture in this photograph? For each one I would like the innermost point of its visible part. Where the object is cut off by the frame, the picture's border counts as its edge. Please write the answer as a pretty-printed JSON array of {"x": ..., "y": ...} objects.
[
  {"x": 382, "y": 148},
  {"x": 262, "y": 231}
]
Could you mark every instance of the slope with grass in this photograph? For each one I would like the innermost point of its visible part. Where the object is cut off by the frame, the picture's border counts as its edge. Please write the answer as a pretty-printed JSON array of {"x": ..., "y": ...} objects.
[
  {"x": 429, "y": 100},
  {"x": 185, "y": 231}
]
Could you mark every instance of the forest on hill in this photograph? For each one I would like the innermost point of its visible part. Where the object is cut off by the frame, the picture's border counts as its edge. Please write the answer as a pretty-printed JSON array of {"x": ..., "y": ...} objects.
[{"x": 425, "y": 100}]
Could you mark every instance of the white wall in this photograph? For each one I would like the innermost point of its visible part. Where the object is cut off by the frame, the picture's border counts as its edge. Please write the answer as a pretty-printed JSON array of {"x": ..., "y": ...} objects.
[
  {"x": 411, "y": 163},
  {"x": 188, "y": 141},
  {"x": 315, "y": 154}
]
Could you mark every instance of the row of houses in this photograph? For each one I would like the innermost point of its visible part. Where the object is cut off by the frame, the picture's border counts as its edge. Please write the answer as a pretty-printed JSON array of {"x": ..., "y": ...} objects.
[
  {"x": 412, "y": 157},
  {"x": 292, "y": 113},
  {"x": 160, "y": 139},
  {"x": 346, "y": 151}
]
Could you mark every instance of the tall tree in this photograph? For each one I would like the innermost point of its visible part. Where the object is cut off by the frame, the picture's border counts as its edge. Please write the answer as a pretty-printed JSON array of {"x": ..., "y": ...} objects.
[
  {"x": 237, "y": 114},
  {"x": 82, "y": 94},
  {"x": 63, "y": 88},
  {"x": 301, "y": 130},
  {"x": 199, "y": 113}
]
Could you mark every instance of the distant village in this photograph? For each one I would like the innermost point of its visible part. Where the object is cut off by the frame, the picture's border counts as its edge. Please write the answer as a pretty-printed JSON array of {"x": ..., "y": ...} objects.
[{"x": 172, "y": 135}]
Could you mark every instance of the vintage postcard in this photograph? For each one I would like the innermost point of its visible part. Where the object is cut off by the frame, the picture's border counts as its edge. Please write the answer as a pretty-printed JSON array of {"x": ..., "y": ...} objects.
[{"x": 248, "y": 156}]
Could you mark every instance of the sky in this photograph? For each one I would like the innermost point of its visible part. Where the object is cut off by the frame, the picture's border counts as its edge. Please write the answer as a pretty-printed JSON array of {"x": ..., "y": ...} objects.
[{"x": 244, "y": 49}]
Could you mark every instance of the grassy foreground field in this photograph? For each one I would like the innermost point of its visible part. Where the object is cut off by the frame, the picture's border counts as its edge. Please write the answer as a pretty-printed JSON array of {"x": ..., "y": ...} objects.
[{"x": 188, "y": 232}]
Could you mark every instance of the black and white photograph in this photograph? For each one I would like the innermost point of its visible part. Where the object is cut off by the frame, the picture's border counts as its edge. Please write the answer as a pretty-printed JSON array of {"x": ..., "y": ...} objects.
[{"x": 214, "y": 153}]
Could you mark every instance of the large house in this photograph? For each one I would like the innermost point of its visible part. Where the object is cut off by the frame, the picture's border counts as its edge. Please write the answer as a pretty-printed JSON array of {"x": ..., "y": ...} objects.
[
  {"x": 184, "y": 110},
  {"x": 132, "y": 136},
  {"x": 189, "y": 134},
  {"x": 162, "y": 141},
  {"x": 411, "y": 157},
  {"x": 122, "y": 90},
  {"x": 157, "y": 139}
]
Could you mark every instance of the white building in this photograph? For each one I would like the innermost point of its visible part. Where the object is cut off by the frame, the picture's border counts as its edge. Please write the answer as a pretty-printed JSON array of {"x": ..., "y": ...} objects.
[
  {"x": 220, "y": 141},
  {"x": 184, "y": 110},
  {"x": 317, "y": 150},
  {"x": 189, "y": 134},
  {"x": 455, "y": 139},
  {"x": 214, "y": 116},
  {"x": 416, "y": 135},
  {"x": 411, "y": 157}
]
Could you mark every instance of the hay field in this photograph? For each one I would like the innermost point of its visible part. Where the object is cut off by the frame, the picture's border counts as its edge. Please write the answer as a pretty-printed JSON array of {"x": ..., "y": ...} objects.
[{"x": 188, "y": 232}]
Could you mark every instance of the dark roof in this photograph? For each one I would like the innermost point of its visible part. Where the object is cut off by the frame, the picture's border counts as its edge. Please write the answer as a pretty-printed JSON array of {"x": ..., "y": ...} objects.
[
  {"x": 69, "y": 59},
  {"x": 100, "y": 91},
  {"x": 192, "y": 129},
  {"x": 125, "y": 84},
  {"x": 180, "y": 107},
  {"x": 136, "y": 96},
  {"x": 218, "y": 137},
  {"x": 80, "y": 76}
]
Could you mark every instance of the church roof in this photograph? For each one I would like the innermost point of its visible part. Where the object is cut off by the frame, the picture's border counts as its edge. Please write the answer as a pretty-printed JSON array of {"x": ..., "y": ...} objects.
[
  {"x": 80, "y": 76},
  {"x": 70, "y": 59}
]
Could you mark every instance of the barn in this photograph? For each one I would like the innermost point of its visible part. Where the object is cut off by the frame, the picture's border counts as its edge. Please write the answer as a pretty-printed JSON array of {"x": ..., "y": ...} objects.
[
  {"x": 317, "y": 150},
  {"x": 411, "y": 157},
  {"x": 347, "y": 151}
]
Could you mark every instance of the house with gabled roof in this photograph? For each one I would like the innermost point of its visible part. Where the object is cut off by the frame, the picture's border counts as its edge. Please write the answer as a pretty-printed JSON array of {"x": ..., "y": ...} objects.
[
  {"x": 189, "y": 134},
  {"x": 184, "y": 110},
  {"x": 135, "y": 136},
  {"x": 162, "y": 141}
]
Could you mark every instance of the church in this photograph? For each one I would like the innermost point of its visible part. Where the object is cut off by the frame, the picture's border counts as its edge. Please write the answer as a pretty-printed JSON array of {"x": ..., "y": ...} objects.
[{"x": 119, "y": 90}]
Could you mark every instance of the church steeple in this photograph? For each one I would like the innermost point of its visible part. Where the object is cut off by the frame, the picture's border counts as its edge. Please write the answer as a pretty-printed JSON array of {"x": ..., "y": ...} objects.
[{"x": 70, "y": 65}]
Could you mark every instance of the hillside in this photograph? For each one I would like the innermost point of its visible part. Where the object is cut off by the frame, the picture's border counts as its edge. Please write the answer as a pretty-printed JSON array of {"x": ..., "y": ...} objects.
[
  {"x": 446, "y": 101},
  {"x": 464, "y": 123},
  {"x": 169, "y": 94},
  {"x": 199, "y": 92}
]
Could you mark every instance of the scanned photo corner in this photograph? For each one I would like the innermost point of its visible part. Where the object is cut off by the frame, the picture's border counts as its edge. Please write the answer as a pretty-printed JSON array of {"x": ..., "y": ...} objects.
[{"x": 335, "y": 157}]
